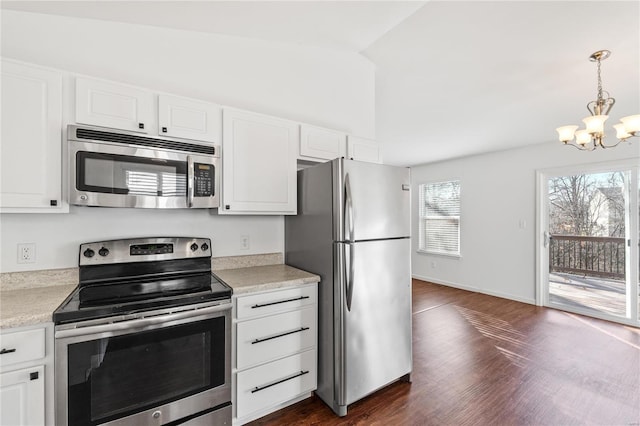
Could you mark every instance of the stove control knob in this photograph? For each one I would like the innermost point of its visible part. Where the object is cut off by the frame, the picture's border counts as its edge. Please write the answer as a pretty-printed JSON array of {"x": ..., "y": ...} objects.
[
  {"x": 103, "y": 251},
  {"x": 194, "y": 247},
  {"x": 205, "y": 247},
  {"x": 89, "y": 253}
]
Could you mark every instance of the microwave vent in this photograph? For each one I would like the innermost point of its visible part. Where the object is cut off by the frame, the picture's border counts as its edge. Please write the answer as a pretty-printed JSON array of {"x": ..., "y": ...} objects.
[{"x": 126, "y": 139}]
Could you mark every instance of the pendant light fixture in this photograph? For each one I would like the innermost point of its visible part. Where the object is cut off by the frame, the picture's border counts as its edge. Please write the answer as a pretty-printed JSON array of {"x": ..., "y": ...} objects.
[{"x": 592, "y": 136}]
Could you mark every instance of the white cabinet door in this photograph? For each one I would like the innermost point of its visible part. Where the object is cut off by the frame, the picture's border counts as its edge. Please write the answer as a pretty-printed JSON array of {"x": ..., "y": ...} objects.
[
  {"x": 31, "y": 146},
  {"x": 259, "y": 164},
  {"x": 322, "y": 143},
  {"x": 22, "y": 397},
  {"x": 102, "y": 103},
  {"x": 364, "y": 150},
  {"x": 190, "y": 119}
]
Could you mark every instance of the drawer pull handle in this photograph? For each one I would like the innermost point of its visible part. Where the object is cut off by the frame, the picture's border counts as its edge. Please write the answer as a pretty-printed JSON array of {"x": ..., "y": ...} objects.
[
  {"x": 259, "y": 388},
  {"x": 279, "y": 335},
  {"x": 278, "y": 302},
  {"x": 6, "y": 351}
]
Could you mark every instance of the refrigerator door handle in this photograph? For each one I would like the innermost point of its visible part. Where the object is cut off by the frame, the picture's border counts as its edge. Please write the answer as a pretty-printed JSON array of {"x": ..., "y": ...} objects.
[
  {"x": 340, "y": 386},
  {"x": 349, "y": 285},
  {"x": 348, "y": 207},
  {"x": 348, "y": 211}
]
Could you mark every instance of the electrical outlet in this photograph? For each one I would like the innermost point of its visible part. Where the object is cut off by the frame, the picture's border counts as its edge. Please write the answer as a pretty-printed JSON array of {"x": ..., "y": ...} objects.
[
  {"x": 27, "y": 253},
  {"x": 244, "y": 242}
]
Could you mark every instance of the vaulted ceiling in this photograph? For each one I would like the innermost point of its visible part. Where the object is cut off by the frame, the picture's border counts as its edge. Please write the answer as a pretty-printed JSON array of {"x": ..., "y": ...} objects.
[{"x": 453, "y": 78}]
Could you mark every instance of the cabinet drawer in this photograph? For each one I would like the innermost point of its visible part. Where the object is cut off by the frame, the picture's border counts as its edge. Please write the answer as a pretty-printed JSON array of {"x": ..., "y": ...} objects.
[
  {"x": 276, "y": 382},
  {"x": 264, "y": 339},
  {"x": 21, "y": 346},
  {"x": 274, "y": 301}
]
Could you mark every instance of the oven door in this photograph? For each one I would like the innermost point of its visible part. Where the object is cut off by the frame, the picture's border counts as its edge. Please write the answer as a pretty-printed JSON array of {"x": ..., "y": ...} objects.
[
  {"x": 110, "y": 175},
  {"x": 148, "y": 371}
]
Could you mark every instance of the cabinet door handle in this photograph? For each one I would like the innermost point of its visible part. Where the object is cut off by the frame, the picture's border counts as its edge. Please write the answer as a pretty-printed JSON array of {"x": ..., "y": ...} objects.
[
  {"x": 140, "y": 125},
  {"x": 6, "y": 351},
  {"x": 164, "y": 130},
  {"x": 279, "y": 335},
  {"x": 259, "y": 388},
  {"x": 34, "y": 376},
  {"x": 278, "y": 302}
]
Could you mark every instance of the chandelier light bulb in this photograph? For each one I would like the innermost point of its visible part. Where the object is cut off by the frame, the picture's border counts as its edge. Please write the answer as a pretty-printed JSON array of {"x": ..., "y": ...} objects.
[
  {"x": 621, "y": 133},
  {"x": 565, "y": 133},
  {"x": 631, "y": 123},
  {"x": 583, "y": 137},
  {"x": 595, "y": 124}
]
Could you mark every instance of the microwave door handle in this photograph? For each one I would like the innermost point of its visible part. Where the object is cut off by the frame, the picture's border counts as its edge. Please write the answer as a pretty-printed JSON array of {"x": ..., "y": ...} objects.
[{"x": 190, "y": 181}]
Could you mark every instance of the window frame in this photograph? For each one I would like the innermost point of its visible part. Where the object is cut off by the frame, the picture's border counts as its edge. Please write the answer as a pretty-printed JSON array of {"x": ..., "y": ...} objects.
[{"x": 422, "y": 219}]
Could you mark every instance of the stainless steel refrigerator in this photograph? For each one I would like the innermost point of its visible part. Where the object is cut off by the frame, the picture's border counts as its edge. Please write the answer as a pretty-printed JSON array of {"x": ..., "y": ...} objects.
[{"x": 353, "y": 229}]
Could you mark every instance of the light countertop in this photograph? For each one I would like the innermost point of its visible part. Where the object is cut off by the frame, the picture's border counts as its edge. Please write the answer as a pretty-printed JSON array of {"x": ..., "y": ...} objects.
[
  {"x": 29, "y": 304},
  {"x": 260, "y": 278}
]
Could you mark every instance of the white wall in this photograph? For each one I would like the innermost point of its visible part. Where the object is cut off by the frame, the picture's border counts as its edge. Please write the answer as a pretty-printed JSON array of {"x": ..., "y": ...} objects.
[
  {"x": 318, "y": 86},
  {"x": 498, "y": 191}
]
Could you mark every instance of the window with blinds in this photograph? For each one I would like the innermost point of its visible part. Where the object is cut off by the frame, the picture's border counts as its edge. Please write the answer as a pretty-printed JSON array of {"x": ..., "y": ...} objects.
[{"x": 440, "y": 217}]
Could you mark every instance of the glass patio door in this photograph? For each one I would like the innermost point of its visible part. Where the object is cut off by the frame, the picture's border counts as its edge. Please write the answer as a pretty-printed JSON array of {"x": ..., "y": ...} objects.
[{"x": 588, "y": 259}]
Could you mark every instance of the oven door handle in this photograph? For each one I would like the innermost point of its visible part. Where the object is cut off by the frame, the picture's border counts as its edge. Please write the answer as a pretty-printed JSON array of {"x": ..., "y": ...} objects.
[{"x": 138, "y": 324}]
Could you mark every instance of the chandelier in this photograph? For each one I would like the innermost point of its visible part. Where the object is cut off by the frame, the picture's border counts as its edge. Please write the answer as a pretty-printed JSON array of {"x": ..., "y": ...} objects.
[{"x": 592, "y": 136}]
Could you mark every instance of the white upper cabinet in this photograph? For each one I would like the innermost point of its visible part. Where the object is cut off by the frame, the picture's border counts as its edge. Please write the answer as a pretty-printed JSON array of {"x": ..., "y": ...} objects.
[
  {"x": 107, "y": 104},
  {"x": 320, "y": 143},
  {"x": 364, "y": 150},
  {"x": 258, "y": 164},
  {"x": 118, "y": 106},
  {"x": 189, "y": 119},
  {"x": 31, "y": 145}
]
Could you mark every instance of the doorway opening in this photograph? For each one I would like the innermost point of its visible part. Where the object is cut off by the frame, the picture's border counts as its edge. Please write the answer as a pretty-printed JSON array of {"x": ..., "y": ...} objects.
[{"x": 588, "y": 257}]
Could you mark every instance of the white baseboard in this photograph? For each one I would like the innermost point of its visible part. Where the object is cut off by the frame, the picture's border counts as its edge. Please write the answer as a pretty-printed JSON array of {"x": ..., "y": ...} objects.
[{"x": 477, "y": 290}]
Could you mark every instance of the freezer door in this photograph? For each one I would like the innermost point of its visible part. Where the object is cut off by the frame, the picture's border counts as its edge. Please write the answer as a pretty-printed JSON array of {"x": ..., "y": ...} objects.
[
  {"x": 375, "y": 201},
  {"x": 376, "y": 338}
]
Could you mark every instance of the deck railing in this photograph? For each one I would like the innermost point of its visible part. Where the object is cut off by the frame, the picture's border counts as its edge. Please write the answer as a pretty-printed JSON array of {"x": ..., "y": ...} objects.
[{"x": 591, "y": 256}]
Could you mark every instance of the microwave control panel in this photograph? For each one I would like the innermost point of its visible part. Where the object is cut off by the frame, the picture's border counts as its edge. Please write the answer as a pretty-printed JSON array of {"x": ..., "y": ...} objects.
[{"x": 203, "y": 175}]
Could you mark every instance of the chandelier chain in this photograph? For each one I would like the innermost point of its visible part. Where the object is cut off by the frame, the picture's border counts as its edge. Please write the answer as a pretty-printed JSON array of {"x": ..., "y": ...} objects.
[{"x": 599, "y": 83}]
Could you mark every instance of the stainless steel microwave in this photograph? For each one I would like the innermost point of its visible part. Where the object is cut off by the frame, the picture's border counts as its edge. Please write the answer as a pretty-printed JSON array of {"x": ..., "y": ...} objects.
[{"x": 111, "y": 168}]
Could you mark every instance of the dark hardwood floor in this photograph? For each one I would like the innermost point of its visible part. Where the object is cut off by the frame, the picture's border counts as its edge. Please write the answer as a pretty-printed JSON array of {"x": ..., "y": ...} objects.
[{"x": 482, "y": 360}]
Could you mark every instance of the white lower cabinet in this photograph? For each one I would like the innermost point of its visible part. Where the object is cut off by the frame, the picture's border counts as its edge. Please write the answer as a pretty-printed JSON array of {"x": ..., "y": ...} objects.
[
  {"x": 22, "y": 397},
  {"x": 275, "y": 341},
  {"x": 26, "y": 376}
]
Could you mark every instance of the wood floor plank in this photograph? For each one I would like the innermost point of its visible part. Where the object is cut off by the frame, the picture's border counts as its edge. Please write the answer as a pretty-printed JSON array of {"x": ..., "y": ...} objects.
[{"x": 482, "y": 360}]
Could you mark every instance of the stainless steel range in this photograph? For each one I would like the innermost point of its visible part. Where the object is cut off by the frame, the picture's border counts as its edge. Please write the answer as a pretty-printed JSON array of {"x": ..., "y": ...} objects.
[{"x": 145, "y": 338}]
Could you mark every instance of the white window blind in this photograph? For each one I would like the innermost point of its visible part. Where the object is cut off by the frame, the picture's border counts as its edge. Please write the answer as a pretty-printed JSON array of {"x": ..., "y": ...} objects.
[{"x": 440, "y": 217}]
